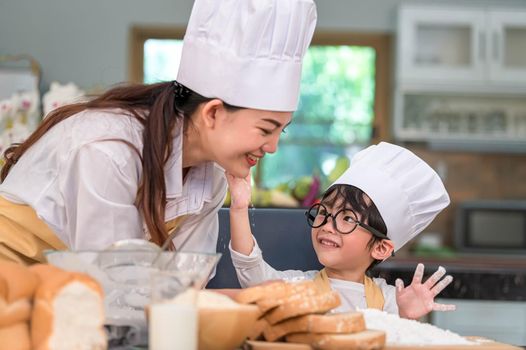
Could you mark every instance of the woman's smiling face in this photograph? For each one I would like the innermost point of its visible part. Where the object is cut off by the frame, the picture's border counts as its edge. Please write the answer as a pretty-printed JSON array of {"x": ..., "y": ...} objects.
[{"x": 243, "y": 136}]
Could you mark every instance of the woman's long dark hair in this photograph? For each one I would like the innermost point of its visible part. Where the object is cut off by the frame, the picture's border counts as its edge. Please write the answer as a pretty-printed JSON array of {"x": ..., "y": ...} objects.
[
  {"x": 357, "y": 199},
  {"x": 163, "y": 109}
]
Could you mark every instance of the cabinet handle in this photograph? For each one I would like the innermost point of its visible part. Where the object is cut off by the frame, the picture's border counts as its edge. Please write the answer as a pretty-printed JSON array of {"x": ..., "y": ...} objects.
[{"x": 496, "y": 46}]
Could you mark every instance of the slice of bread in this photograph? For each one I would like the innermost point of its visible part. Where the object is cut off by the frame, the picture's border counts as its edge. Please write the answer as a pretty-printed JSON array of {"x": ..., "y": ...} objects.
[
  {"x": 366, "y": 340},
  {"x": 68, "y": 312},
  {"x": 15, "y": 337},
  {"x": 257, "y": 330},
  {"x": 267, "y": 345},
  {"x": 293, "y": 306},
  {"x": 293, "y": 291},
  {"x": 350, "y": 322},
  {"x": 253, "y": 294},
  {"x": 273, "y": 290}
]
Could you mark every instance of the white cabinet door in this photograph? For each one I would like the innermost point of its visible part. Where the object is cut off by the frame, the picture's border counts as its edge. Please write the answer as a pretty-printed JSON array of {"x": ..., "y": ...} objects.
[
  {"x": 437, "y": 44},
  {"x": 507, "y": 49}
]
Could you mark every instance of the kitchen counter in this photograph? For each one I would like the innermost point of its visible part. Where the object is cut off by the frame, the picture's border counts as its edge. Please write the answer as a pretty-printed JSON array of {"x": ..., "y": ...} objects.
[{"x": 480, "y": 277}]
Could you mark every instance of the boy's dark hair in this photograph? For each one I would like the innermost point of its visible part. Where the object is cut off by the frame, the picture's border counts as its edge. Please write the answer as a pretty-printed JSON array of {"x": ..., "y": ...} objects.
[{"x": 365, "y": 209}]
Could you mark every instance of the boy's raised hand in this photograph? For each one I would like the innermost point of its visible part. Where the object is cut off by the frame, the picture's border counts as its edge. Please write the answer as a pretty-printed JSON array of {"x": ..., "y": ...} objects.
[
  {"x": 240, "y": 191},
  {"x": 418, "y": 299}
]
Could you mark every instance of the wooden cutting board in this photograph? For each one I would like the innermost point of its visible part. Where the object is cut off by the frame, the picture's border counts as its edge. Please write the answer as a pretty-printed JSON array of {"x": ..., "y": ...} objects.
[{"x": 484, "y": 344}]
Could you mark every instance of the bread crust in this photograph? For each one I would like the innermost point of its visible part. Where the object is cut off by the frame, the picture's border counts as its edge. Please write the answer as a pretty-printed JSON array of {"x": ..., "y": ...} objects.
[
  {"x": 16, "y": 312},
  {"x": 350, "y": 322},
  {"x": 316, "y": 304},
  {"x": 20, "y": 282},
  {"x": 291, "y": 292},
  {"x": 366, "y": 340},
  {"x": 257, "y": 330},
  {"x": 53, "y": 281},
  {"x": 253, "y": 294},
  {"x": 15, "y": 337}
]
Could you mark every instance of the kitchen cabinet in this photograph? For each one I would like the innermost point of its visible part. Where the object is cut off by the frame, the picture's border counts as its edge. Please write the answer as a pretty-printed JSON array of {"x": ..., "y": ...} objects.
[
  {"x": 461, "y": 77},
  {"x": 468, "y": 45}
]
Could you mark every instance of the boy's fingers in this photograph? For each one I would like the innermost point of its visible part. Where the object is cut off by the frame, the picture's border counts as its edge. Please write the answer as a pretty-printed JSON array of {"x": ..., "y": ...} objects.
[
  {"x": 444, "y": 307},
  {"x": 419, "y": 273},
  {"x": 442, "y": 284},
  {"x": 399, "y": 285},
  {"x": 431, "y": 281}
]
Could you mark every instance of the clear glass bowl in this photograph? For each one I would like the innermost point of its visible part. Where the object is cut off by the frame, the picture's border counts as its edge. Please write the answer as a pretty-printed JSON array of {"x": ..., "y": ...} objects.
[{"x": 125, "y": 276}]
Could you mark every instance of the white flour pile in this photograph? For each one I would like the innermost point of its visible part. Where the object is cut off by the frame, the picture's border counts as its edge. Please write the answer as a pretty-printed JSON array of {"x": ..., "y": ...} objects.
[{"x": 402, "y": 331}]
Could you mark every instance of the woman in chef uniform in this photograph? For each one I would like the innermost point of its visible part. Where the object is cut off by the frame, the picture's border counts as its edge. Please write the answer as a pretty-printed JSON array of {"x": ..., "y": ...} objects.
[{"x": 141, "y": 161}]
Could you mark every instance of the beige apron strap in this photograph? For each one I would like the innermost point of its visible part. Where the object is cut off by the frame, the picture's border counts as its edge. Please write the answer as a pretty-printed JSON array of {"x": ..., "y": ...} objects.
[
  {"x": 171, "y": 225},
  {"x": 373, "y": 294},
  {"x": 321, "y": 280},
  {"x": 23, "y": 236}
]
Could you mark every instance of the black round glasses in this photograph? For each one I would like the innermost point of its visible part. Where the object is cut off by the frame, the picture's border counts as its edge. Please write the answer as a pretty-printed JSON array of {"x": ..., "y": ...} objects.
[{"x": 344, "y": 220}]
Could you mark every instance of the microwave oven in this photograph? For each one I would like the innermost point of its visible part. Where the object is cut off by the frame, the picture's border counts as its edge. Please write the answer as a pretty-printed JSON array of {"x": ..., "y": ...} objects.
[{"x": 491, "y": 226}]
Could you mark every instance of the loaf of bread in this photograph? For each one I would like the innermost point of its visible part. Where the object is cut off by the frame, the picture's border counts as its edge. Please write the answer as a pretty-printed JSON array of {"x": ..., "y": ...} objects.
[
  {"x": 15, "y": 312},
  {"x": 15, "y": 337},
  {"x": 366, "y": 340},
  {"x": 17, "y": 287},
  {"x": 68, "y": 311},
  {"x": 292, "y": 306},
  {"x": 16, "y": 282},
  {"x": 350, "y": 322}
]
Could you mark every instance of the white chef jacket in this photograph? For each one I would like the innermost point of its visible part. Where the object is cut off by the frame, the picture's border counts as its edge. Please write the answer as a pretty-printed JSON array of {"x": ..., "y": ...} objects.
[
  {"x": 252, "y": 269},
  {"x": 83, "y": 183}
]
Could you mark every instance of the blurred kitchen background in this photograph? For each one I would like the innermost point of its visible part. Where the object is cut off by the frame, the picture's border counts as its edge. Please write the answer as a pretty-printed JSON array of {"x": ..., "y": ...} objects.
[{"x": 445, "y": 78}]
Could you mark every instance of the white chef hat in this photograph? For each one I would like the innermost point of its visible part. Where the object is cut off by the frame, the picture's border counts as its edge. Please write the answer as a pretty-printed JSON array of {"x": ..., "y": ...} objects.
[
  {"x": 247, "y": 53},
  {"x": 406, "y": 190}
]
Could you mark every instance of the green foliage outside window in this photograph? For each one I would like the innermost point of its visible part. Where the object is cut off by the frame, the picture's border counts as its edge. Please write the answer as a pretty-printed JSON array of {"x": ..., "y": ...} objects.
[{"x": 334, "y": 117}]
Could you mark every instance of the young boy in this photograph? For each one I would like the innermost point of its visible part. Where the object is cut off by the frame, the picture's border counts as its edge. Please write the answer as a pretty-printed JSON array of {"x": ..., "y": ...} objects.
[{"x": 386, "y": 197}]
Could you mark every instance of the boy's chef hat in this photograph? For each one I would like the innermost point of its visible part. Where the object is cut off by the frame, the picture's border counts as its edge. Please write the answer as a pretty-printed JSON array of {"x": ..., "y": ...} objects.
[
  {"x": 247, "y": 53},
  {"x": 406, "y": 190}
]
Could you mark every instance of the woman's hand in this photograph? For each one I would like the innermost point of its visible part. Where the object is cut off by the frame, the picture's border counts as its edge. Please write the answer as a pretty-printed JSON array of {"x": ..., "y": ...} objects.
[
  {"x": 240, "y": 191},
  {"x": 418, "y": 299}
]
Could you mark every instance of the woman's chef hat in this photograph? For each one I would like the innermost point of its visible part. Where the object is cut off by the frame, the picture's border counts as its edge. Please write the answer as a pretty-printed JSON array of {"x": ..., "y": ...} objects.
[
  {"x": 406, "y": 190},
  {"x": 247, "y": 53}
]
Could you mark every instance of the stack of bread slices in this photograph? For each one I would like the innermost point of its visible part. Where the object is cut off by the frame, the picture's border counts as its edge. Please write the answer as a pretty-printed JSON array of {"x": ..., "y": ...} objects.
[
  {"x": 300, "y": 312},
  {"x": 45, "y": 308}
]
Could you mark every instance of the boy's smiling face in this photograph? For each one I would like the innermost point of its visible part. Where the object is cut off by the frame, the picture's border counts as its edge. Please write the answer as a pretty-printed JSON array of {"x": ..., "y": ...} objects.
[{"x": 343, "y": 252}]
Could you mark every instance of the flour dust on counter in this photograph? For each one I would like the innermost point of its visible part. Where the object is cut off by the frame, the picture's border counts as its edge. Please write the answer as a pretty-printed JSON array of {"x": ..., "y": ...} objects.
[{"x": 402, "y": 331}]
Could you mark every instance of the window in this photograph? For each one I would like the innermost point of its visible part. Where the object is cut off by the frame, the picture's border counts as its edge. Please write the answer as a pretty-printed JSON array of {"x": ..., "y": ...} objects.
[
  {"x": 334, "y": 117},
  {"x": 343, "y": 103},
  {"x": 161, "y": 59}
]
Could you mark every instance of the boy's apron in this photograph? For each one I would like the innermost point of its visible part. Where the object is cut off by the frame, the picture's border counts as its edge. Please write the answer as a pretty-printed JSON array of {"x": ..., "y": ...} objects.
[
  {"x": 374, "y": 297},
  {"x": 24, "y": 236}
]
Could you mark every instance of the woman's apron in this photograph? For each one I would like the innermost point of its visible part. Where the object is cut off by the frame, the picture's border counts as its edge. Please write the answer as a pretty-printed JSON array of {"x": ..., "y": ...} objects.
[
  {"x": 374, "y": 297},
  {"x": 24, "y": 236}
]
